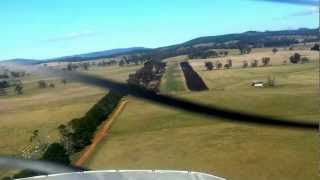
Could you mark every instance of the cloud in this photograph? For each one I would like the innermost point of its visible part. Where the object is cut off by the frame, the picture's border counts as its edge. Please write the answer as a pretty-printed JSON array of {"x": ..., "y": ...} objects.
[
  {"x": 297, "y": 2},
  {"x": 311, "y": 11},
  {"x": 71, "y": 36},
  {"x": 312, "y": 6},
  {"x": 307, "y": 12}
]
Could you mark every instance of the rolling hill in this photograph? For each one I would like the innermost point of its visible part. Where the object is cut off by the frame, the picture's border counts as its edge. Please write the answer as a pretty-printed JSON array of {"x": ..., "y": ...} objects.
[
  {"x": 99, "y": 54},
  {"x": 228, "y": 41}
]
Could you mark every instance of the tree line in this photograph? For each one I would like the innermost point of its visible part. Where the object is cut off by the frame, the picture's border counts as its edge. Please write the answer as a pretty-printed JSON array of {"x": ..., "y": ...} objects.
[
  {"x": 265, "y": 61},
  {"x": 149, "y": 76},
  {"x": 77, "y": 134}
]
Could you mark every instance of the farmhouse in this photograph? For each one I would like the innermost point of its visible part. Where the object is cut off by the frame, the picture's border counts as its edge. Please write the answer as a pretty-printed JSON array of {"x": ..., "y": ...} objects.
[{"x": 258, "y": 83}]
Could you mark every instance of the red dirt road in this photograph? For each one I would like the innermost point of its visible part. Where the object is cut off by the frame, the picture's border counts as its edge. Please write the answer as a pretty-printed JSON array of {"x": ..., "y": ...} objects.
[{"x": 101, "y": 133}]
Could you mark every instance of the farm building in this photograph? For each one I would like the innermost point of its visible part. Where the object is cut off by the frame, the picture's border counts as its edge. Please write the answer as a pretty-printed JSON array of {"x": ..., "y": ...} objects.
[{"x": 258, "y": 84}]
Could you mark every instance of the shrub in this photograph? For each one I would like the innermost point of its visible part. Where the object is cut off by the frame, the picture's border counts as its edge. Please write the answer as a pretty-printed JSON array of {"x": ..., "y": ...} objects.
[
  {"x": 295, "y": 58},
  {"x": 245, "y": 64},
  {"x": 275, "y": 50},
  {"x": 265, "y": 61},
  {"x": 52, "y": 85},
  {"x": 315, "y": 47},
  {"x": 254, "y": 63},
  {"x": 42, "y": 84},
  {"x": 209, "y": 66},
  {"x": 64, "y": 81},
  {"x": 229, "y": 63},
  {"x": 56, "y": 153},
  {"x": 18, "y": 89},
  {"x": 304, "y": 60},
  {"x": 219, "y": 65},
  {"x": 85, "y": 127},
  {"x": 244, "y": 49}
]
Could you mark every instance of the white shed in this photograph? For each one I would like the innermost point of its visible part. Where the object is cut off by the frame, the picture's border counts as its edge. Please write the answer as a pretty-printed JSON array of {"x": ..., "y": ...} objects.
[{"x": 258, "y": 83}]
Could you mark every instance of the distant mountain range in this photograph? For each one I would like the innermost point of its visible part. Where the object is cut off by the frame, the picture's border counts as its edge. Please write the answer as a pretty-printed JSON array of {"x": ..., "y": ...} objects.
[
  {"x": 254, "y": 38},
  {"x": 99, "y": 54},
  {"x": 21, "y": 61},
  {"x": 79, "y": 57}
]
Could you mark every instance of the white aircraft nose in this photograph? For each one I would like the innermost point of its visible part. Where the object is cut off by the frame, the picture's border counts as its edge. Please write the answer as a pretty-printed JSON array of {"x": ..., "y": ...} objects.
[{"x": 129, "y": 175}]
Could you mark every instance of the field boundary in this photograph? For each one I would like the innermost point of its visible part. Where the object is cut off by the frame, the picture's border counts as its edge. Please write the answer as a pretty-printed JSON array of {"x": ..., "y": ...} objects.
[{"x": 101, "y": 133}]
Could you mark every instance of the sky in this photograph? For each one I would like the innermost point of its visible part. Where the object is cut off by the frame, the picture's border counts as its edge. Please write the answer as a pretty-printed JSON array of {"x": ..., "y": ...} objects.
[{"x": 40, "y": 29}]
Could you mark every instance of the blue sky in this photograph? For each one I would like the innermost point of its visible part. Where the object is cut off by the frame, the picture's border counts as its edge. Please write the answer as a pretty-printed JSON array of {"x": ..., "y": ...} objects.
[{"x": 52, "y": 28}]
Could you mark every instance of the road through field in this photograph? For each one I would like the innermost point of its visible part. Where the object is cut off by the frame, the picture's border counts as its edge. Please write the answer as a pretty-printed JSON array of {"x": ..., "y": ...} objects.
[{"x": 102, "y": 133}]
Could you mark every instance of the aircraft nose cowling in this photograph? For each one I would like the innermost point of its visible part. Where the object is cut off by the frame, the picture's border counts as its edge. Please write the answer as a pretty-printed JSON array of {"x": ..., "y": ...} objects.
[{"x": 129, "y": 175}]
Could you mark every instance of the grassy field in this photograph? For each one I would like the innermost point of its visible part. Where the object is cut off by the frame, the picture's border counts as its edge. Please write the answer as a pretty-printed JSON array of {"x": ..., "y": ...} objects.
[
  {"x": 172, "y": 81},
  {"x": 258, "y": 54},
  {"x": 149, "y": 136},
  {"x": 46, "y": 109},
  {"x": 114, "y": 72}
]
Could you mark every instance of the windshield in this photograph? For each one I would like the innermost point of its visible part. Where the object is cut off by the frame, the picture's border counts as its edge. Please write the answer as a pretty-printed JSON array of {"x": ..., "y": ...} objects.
[{"x": 225, "y": 88}]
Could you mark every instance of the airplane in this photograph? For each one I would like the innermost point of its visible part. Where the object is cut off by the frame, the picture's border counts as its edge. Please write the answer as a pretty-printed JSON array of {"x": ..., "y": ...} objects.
[{"x": 60, "y": 172}]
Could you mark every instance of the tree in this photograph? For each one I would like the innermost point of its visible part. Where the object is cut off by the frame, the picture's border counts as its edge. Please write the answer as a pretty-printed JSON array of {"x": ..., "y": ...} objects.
[
  {"x": 209, "y": 66},
  {"x": 201, "y": 54},
  {"x": 315, "y": 47},
  {"x": 17, "y": 74},
  {"x": 133, "y": 79},
  {"x": 35, "y": 135},
  {"x": 229, "y": 62},
  {"x": 219, "y": 65},
  {"x": 65, "y": 140},
  {"x": 265, "y": 61},
  {"x": 275, "y": 50},
  {"x": 245, "y": 64},
  {"x": 52, "y": 85},
  {"x": 4, "y": 76},
  {"x": 121, "y": 62},
  {"x": 244, "y": 49},
  {"x": 19, "y": 88},
  {"x": 304, "y": 60},
  {"x": 83, "y": 129},
  {"x": 254, "y": 63},
  {"x": 86, "y": 66},
  {"x": 136, "y": 62},
  {"x": 226, "y": 66},
  {"x": 56, "y": 153},
  {"x": 42, "y": 84},
  {"x": 3, "y": 87},
  {"x": 295, "y": 58},
  {"x": 3, "y": 91},
  {"x": 69, "y": 67},
  {"x": 64, "y": 81}
]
